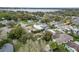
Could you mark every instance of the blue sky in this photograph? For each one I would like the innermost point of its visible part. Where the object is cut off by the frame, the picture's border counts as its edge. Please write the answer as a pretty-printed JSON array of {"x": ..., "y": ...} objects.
[{"x": 39, "y": 3}]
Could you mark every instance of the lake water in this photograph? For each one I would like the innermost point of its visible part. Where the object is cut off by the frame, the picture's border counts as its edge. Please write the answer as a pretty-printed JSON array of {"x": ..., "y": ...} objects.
[{"x": 31, "y": 9}]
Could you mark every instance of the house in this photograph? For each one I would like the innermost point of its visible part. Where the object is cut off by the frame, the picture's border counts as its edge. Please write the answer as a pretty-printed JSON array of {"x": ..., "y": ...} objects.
[
  {"x": 75, "y": 31},
  {"x": 70, "y": 49},
  {"x": 52, "y": 31},
  {"x": 40, "y": 26},
  {"x": 6, "y": 22},
  {"x": 7, "y": 48},
  {"x": 63, "y": 38},
  {"x": 74, "y": 45},
  {"x": 75, "y": 20}
]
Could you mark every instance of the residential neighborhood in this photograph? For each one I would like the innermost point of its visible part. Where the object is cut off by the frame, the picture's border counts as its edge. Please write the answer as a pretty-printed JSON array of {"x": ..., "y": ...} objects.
[{"x": 49, "y": 30}]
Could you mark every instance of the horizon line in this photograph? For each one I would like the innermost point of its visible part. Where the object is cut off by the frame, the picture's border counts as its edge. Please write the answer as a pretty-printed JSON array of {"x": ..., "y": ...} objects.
[{"x": 41, "y": 7}]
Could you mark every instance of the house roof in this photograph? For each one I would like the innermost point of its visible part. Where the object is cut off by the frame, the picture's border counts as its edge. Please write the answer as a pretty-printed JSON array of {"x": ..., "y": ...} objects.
[{"x": 63, "y": 38}]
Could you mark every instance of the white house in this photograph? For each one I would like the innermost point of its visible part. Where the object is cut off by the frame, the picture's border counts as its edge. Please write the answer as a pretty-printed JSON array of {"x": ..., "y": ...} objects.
[{"x": 40, "y": 26}]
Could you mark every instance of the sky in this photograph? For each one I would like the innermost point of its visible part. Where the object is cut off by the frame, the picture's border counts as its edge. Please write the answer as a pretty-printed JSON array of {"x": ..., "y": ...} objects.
[{"x": 39, "y": 3}]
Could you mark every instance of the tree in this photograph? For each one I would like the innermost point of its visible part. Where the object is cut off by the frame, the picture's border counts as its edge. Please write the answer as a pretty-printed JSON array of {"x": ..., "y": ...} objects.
[
  {"x": 67, "y": 20},
  {"x": 16, "y": 32},
  {"x": 25, "y": 37},
  {"x": 47, "y": 36},
  {"x": 58, "y": 48},
  {"x": 57, "y": 18},
  {"x": 45, "y": 19}
]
